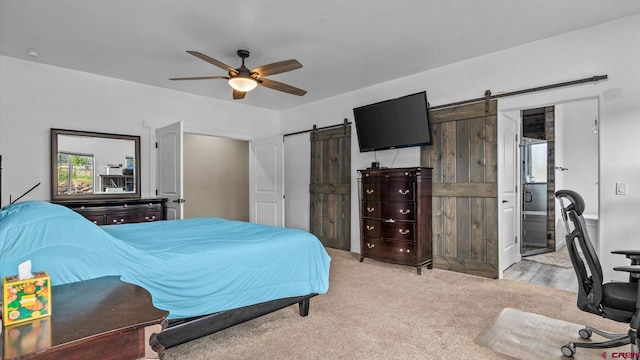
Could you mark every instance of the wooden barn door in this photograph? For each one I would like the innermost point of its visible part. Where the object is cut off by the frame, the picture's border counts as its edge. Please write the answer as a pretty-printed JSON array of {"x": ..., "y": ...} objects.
[
  {"x": 465, "y": 204},
  {"x": 330, "y": 187}
]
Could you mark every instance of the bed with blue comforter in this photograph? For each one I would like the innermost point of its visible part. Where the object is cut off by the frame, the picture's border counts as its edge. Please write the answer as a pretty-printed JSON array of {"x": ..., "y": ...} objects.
[{"x": 191, "y": 267}]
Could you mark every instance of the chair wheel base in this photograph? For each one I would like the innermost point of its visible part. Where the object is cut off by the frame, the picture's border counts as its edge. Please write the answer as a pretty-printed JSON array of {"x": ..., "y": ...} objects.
[
  {"x": 585, "y": 333},
  {"x": 568, "y": 350},
  {"x": 614, "y": 340}
]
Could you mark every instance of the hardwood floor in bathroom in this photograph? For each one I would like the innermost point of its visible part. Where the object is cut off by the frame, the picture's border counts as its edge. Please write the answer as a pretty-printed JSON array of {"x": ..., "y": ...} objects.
[{"x": 543, "y": 274}]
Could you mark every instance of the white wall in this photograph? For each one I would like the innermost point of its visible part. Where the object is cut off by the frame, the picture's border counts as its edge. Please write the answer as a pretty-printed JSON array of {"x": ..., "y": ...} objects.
[
  {"x": 610, "y": 48},
  {"x": 297, "y": 154},
  {"x": 38, "y": 97},
  {"x": 580, "y": 150},
  {"x": 216, "y": 177}
]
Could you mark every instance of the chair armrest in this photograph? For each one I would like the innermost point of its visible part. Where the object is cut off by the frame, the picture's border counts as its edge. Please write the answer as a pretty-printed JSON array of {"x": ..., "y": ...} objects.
[
  {"x": 633, "y": 255},
  {"x": 633, "y": 270},
  {"x": 625, "y": 252}
]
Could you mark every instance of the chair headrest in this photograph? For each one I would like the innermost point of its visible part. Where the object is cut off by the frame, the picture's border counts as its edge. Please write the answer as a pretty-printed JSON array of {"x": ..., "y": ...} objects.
[{"x": 577, "y": 202}]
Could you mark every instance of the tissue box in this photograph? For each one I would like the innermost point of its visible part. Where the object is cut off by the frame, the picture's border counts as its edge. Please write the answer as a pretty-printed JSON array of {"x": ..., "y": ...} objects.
[{"x": 24, "y": 300}]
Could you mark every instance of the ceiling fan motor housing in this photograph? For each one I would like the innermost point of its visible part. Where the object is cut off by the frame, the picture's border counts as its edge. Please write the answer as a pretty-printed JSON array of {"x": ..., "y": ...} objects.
[{"x": 243, "y": 53}]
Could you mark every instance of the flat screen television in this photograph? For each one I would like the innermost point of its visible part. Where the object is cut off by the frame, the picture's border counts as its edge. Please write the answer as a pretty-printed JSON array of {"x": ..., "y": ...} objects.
[{"x": 394, "y": 123}]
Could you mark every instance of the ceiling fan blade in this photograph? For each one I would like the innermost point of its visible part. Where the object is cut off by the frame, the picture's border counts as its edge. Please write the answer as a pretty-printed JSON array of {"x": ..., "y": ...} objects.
[
  {"x": 237, "y": 95},
  {"x": 276, "y": 85},
  {"x": 200, "y": 78},
  {"x": 277, "y": 67},
  {"x": 213, "y": 61}
]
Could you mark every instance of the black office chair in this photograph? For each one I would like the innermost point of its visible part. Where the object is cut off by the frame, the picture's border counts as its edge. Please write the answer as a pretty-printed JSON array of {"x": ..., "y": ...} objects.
[{"x": 614, "y": 300}]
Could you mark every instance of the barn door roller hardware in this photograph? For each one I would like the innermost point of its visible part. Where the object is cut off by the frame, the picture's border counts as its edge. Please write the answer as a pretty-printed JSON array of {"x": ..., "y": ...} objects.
[
  {"x": 488, "y": 95},
  {"x": 487, "y": 100},
  {"x": 344, "y": 124}
]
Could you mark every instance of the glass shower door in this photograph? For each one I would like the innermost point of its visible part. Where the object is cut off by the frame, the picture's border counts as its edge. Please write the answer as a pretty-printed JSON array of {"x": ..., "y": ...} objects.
[{"x": 534, "y": 197}]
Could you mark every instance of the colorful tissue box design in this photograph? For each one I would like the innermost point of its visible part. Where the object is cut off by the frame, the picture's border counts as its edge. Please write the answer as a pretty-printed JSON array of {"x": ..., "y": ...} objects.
[{"x": 24, "y": 300}]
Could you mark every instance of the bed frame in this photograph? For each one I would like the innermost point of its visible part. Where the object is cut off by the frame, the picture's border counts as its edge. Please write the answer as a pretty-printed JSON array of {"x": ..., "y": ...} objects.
[{"x": 180, "y": 331}]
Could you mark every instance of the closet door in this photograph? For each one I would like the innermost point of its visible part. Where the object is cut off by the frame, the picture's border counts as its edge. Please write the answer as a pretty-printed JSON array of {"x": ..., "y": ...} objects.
[
  {"x": 266, "y": 187},
  {"x": 465, "y": 194},
  {"x": 170, "y": 173},
  {"x": 330, "y": 187}
]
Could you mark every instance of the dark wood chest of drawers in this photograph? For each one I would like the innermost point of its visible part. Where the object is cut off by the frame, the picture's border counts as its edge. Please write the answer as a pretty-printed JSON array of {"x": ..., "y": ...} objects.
[
  {"x": 395, "y": 216},
  {"x": 119, "y": 211}
]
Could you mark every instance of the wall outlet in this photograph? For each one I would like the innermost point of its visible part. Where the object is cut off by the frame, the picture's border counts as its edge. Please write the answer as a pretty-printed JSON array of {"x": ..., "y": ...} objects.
[{"x": 621, "y": 189}]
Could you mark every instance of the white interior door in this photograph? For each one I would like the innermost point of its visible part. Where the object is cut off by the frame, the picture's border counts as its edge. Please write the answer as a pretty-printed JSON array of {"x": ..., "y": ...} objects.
[
  {"x": 509, "y": 213},
  {"x": 170, "y": 174},
  {"x": 266, "y": 195}
]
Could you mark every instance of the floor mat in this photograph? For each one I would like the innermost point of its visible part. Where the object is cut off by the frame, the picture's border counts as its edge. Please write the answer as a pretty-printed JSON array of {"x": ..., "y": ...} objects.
[{"x": 526, "y": 336}]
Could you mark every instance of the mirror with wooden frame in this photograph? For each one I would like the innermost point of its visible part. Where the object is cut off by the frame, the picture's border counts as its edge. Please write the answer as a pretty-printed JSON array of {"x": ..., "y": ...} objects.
[{"x": 92, "y": 165}]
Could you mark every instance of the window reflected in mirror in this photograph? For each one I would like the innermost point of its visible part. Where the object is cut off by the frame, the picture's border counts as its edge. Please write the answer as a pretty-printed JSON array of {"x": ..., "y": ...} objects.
[{"x": 75, "y": 173}]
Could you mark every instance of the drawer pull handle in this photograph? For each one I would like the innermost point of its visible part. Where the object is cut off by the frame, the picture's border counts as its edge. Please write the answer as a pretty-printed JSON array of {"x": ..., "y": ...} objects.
[
  {"x": 403, "y": 192},
  {"x": 403, "y": 232},
  {"x": 405, "y": 212},
  {"x": 95, "y": 222},
  {"x": 115, "y": 221},
  {"x": 390, "y": 221},
  {"x": 369, "y": 192},
  {"x": 370, "y": 227},
  {"x": 371, "y": 209},
  {"x": 152, "y": 218},
  {"x": 370, "y": 246}
]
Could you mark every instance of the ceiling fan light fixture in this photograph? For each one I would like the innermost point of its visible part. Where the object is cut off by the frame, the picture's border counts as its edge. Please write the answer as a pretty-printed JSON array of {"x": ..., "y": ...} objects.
[
  {"x": 243, "y": 84},
  {"x": 243, "y": 79}
]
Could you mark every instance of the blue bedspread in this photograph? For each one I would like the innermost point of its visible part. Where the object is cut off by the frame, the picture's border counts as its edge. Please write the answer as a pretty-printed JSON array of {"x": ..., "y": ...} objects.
[{"x": 191, "y": 267}]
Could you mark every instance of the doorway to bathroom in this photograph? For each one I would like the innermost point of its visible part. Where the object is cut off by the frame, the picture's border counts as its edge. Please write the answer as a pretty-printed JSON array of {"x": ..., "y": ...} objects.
[
  {"x": 538, "y": 186},
  {"x": 559, "y": 150},
  {"x": 575, "y": 166}
]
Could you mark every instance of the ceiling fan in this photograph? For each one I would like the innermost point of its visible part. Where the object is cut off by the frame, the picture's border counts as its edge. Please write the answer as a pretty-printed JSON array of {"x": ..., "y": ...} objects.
[{"x": 243, "y": 80}]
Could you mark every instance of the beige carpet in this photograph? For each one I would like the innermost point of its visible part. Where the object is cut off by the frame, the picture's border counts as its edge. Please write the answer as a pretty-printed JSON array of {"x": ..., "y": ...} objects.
[
  {"x": 558, "y": 258},
  {"x": 375, "y": 310},
  {"x": 546, "y": 335}
]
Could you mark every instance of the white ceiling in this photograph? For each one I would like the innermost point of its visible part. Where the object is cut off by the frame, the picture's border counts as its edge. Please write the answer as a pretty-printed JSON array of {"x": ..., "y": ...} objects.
[{"x": 343, "y": 45}]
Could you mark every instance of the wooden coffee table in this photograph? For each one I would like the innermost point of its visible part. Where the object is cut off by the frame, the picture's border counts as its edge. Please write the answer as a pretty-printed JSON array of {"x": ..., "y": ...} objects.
[{"x": 102, "y": 318}]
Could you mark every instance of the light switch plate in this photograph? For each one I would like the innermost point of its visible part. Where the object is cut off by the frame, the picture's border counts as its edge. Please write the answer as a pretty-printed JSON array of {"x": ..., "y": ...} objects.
[{"x": 621, "y": 188}]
